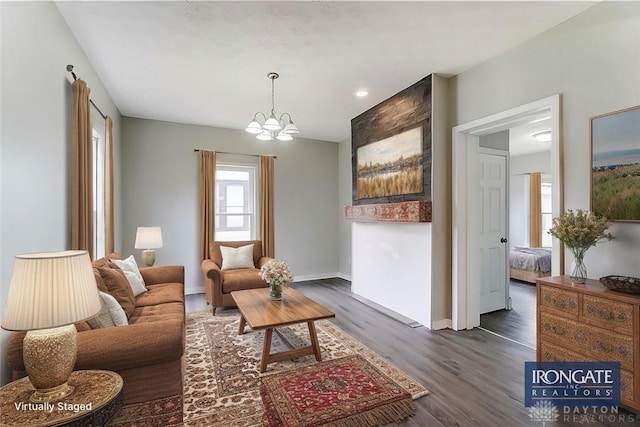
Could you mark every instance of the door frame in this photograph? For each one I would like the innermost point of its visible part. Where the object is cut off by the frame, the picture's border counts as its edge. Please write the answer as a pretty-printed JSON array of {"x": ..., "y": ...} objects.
[{"x": 465, "y": 313}]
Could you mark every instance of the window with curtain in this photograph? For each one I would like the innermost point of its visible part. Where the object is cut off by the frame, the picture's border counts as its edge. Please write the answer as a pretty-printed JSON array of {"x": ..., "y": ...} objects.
[
  {"x": 235, "y": 203},
  {"x": 547, "y": 216},
  {"x": 99, "y": 213}
]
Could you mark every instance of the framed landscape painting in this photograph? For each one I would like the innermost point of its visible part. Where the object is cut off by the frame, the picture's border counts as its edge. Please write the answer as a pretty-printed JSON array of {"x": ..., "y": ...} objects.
[
  {"x": 615, "y": 165},
  {"x": 391, "y": 167}
]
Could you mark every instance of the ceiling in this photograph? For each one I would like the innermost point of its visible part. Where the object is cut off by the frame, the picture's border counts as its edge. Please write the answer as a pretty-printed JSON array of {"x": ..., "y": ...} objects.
[{"x": 206, "y": 63}]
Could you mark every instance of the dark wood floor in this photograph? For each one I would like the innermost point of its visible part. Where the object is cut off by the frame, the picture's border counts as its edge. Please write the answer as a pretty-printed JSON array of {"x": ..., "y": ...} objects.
[
  {"x": 519, "y": 323},
  {"x": 475, "y": 377}
]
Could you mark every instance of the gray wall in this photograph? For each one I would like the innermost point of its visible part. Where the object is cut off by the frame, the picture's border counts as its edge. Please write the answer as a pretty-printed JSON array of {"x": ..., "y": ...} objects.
[
  {"x": 593, "y": 61},
  {"x": 34, "y": 135},
  {"x": 160, "y": 187},
  {"x": 345, "y": 195},
  {"x": 497, "y": 141}
]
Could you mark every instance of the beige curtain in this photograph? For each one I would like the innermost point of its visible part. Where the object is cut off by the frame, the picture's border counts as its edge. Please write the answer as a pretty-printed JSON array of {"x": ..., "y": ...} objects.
[
  {"x": 109, "y": 246},
  {"x": 81, "y": 170},
  {"x": 535, "y": 209},
  {"x": 267, "y": 228},
  {"x": 207, "y": 201}
]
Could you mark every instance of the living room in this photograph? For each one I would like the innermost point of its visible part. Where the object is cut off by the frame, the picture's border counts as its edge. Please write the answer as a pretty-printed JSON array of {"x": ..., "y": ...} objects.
[{"x": 591, "y": 60}]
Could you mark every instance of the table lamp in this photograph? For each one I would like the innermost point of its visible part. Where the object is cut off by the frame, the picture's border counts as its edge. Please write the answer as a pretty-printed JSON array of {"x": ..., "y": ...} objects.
[
  {"x": 148, "y": 238},
  {"x": 48, "y": 293}
]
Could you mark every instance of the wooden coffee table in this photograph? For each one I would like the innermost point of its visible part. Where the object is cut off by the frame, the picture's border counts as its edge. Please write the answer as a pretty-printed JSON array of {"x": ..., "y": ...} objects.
[{"x": 259, "y": 312}]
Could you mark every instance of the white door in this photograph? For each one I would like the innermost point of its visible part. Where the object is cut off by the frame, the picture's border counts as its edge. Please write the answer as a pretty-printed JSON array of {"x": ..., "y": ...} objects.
[{"x": 493, "y": 237}]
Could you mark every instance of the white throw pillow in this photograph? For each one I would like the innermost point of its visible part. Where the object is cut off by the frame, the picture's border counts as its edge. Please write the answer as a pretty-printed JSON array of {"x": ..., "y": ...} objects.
[
  {"x": 110, "y": 314},
  {"x": 130, "y": 269},
  {"x": 234, "y": 258}
]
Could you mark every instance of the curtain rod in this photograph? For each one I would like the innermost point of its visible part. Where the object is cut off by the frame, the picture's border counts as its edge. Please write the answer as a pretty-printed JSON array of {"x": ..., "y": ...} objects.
[
  {"x": 70, "y": 69},
  {"x": 237, "y": 154}
]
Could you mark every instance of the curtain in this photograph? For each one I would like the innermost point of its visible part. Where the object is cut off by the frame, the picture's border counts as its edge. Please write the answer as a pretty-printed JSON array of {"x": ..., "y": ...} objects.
[
  {"x": 207, "y": 201},
  {"x": 535, "y": 209},
  {"x": 267, "y": 227},
  {"x": 81, "y": 170},
  {"x": 109, "y": 246}
]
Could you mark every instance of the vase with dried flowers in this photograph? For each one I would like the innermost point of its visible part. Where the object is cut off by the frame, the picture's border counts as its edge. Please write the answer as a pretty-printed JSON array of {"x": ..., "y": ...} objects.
[
  {"x": 277, "y": 274},
  {"x": 579, "y": 231}
]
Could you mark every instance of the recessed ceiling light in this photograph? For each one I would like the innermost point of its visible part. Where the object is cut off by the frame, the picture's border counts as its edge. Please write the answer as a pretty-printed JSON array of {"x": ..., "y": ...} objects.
[
  {"x": 362, "y": 93},
  {"x": 544, "y": 136}
]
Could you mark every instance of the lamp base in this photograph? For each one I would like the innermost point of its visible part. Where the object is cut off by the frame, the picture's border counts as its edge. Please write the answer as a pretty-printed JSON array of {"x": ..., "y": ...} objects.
[
  {"x": 49, "y": 357},
  {"x": 149, "y": 257}
]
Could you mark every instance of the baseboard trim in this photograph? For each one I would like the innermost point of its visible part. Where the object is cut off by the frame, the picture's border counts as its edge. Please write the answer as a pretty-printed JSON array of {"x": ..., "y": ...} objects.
[
  {"x": 387, "y": 312},
  {"x": 194, "y": 290},
  {"x": 442, "y": 324},
  {"x": 319, "y": 276},
  {"x": 344, "y": 276}
]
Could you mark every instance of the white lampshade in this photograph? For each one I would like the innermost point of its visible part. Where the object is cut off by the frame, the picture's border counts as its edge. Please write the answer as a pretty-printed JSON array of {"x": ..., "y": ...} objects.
[
  {"x": 253, "y": 127},
  {"x": 264, "y": 136},
  {"x": 272, "y": 123},
  {"x": 49, "y": 290},
  {"x": 290, "y": 128},
  {"x": 148, "y": 238},
  {"x": 284, "y": 136}
]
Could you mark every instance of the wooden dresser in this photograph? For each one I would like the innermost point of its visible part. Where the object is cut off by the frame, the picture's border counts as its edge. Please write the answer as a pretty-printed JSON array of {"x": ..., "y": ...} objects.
[{"x": 588, "y": 322}]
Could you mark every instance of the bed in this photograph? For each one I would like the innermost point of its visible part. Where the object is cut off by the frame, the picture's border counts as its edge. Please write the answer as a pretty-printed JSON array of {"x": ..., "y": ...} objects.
[{"x": 528, "y": 264}]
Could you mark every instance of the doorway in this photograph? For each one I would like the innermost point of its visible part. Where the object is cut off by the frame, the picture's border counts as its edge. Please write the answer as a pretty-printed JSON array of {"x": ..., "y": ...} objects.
[{"x": 466, "y": 264}]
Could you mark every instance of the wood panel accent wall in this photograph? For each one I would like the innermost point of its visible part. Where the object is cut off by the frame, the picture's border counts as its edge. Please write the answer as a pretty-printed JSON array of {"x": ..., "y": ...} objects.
[{"x": 406, "y": 110}]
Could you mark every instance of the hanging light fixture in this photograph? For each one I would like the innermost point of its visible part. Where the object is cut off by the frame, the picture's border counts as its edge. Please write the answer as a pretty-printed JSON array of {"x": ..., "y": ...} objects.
[{"x": 279, "y": 128}]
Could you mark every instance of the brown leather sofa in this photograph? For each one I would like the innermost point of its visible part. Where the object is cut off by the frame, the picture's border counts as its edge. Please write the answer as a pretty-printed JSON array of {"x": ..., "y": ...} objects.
[
  {"x": 220, "y": 283},
  {"x": 147, "y": 353}
]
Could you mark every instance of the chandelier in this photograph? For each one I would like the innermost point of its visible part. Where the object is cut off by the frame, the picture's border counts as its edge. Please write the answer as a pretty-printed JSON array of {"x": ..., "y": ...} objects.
[{"x": 272, "y": 127}]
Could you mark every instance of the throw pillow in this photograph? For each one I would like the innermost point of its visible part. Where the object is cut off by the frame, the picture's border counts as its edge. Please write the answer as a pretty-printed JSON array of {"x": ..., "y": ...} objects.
[
  {"x": 234, "y": 258},
  {"x": 110, "y": 314},
  {"x": 119, "y": 288},
  {"x": 130, "y": 269}
]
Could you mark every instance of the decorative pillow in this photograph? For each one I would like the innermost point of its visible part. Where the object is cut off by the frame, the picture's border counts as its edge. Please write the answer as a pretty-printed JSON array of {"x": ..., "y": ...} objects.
[
  {"x": 110, "y": 314},
  {"x": 234, "y": 258},
  {"x": 119, "y": 288},
  {"x": 130, "y": 269}
]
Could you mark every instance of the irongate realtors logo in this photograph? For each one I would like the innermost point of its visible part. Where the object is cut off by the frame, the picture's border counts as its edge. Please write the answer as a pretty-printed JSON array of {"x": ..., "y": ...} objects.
[{"x": 572, "y": 383}]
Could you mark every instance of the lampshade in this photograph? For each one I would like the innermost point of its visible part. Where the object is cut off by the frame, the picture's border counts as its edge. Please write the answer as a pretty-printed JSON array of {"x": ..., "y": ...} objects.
[
  {"x": 264, "y": 136},
  {"x": 282, "y": 136},
  {"x": 290, "y": 128},
  {"x": 148, "y": 238},
  {"x": 253, "y": 127},
  {"x": 49, "y": 290},
  {"x": 271, "y": 123}
]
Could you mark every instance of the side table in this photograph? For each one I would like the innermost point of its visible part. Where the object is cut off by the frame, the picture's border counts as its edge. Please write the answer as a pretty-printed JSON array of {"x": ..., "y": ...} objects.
[{"x": 96, "y": 399}]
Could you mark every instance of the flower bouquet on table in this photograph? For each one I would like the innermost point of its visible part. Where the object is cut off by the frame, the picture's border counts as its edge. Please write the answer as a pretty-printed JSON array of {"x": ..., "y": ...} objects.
[
  {"x": 579, "y": 231},
  {"x": 277, "y": 274}
]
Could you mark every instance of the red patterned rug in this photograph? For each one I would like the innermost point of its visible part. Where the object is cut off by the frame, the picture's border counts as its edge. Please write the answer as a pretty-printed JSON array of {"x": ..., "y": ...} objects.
[{"x": 345, "y": 392}]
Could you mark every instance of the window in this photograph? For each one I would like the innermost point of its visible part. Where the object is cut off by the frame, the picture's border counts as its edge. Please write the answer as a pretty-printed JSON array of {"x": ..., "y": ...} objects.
[
  {"x": 235, "y": 202},
  {"x": 547, "y": 216},
  {"x": 98, "y": 186}
]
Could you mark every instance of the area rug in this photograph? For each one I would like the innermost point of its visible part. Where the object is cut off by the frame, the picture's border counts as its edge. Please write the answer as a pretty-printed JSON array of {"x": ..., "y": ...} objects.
[
  {"x": 222, "y": 376},
  {"x": 345, "y": 392}
]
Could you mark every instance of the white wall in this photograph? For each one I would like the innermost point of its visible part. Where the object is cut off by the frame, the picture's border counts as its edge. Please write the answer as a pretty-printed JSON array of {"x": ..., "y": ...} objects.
[
  {"x": 534, "y": 162},
  {"x": 519, "y": 210},
  {"x": 593, "y": 61},
  {"x": 160, "y": 187},
  {"x": 34, "y": 135},
  {"x": 392, "y": 267}
]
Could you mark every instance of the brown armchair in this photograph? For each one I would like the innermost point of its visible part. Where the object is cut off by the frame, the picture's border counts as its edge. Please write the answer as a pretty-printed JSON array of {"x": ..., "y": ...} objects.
[{"x": 220, "y": 283}]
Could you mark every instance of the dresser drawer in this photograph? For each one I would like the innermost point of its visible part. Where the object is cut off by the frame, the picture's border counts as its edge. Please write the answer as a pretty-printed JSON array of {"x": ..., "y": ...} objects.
[
  {"x": 599, "y": 343},
  {"x": 557, "y": 299},
  {"x": 613, "y": 315},
  {"x": 553, "y": 353}
]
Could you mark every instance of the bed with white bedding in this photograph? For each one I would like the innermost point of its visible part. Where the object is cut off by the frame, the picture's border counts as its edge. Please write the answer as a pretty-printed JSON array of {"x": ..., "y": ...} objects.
[{"x": 529, "y": 263}]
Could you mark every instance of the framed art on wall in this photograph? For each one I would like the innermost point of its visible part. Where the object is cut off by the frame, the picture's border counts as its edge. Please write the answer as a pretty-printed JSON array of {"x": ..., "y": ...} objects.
[{"x": 615, "y": 165}]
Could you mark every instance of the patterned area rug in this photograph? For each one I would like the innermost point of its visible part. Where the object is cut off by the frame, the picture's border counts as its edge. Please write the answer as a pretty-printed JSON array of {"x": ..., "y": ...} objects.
[
  {"x": 222, "y": 378},
  {"x": 345, "y": 392}
]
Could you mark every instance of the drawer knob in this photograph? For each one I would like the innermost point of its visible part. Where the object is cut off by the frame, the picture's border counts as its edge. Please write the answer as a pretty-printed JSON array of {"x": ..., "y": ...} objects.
[{"x": 622, "y": 317}]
